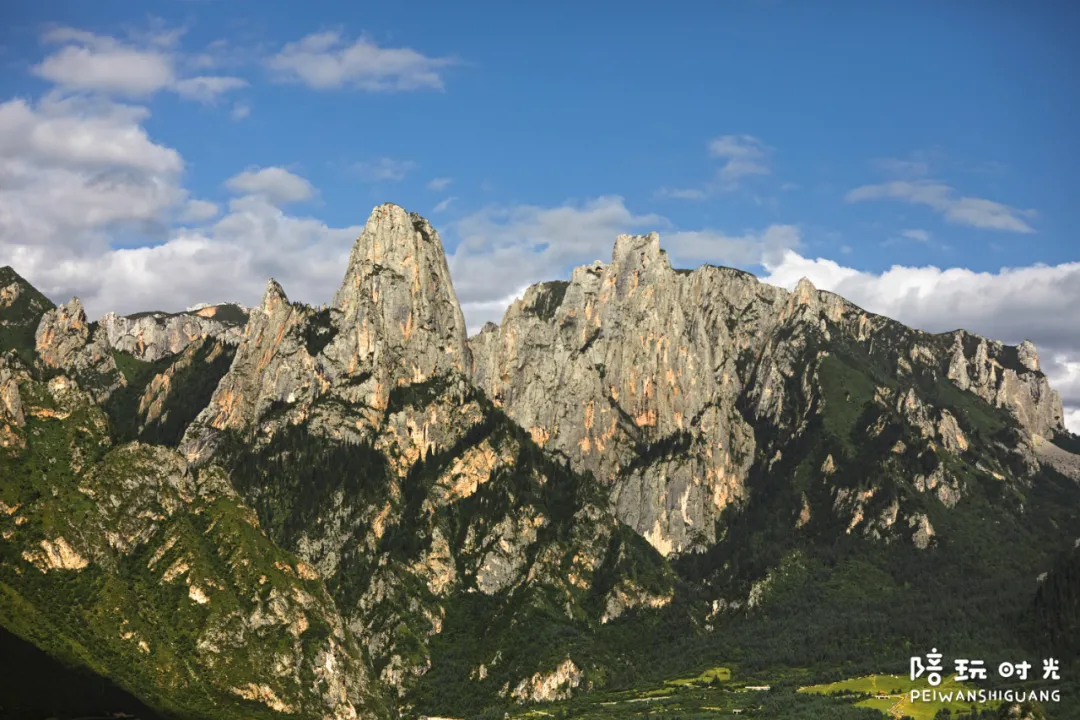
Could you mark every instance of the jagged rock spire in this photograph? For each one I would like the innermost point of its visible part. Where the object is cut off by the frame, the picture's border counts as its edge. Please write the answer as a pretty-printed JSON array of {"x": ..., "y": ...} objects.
[{"x": 398, "y": 309}]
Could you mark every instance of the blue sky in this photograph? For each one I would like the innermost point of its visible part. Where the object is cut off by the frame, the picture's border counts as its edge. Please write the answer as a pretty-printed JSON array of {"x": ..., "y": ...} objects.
[{"x": 918, "y": 157}]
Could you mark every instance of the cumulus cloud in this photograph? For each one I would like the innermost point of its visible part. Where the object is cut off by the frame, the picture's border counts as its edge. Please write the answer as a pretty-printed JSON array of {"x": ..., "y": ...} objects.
[
  {"x": 199, "y": 211},
  {"x": 971, "y": 211},
  {"x": 96, "y": 62},
  {"x": 75, "y": 172},
  {"x": 275, "y": 184},
  {"x": 1010, "y": 305},
  {"x": 383, "y": 169},
  {"x": 327, "y": 61},
  {"x": 750, "y": 248},
  {"x": 439, "y": 184},
  {"x": 227, "y": 261},
  {"x": 503, "y": 249},
  {"x": 443, "y": 205},
  {"x": 141, "y": 66}
]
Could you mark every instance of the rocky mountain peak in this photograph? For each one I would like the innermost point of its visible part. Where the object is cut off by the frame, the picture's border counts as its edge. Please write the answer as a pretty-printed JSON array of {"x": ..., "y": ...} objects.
[
  {"x": 394, "y": 321},
  {"x": 272, "y": 297},
  {"x": 398, "y": 310},
  {"x": 639, "y": 252},
  {"x": 1028, "y": 355},
  {"x": 65, "y": 340},
  {"x": 804, "y": 287},
  {"x": 62, "y": 331}
]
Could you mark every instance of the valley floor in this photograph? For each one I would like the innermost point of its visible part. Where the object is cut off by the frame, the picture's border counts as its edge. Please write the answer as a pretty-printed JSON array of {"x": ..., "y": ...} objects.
[{"x": 723, "y": 692}]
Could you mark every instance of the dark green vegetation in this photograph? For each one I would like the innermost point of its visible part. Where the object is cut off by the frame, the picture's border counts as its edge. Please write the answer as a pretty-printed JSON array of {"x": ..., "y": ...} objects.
[
  {"x": 21, "y": 308},
  {"x": 1056, "y": 609},
  {"x": 125, "y": 606},
  {"x": 192, "y": 378}
]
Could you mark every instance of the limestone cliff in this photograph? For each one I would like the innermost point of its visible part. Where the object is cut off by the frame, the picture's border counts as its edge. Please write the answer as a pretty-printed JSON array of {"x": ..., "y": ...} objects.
[
  {"x": 395, "y": 320},
  {"x": 66, "y": 341},
  {"x": 153, "y": 336},
  {"x": 656, "y": 380},
  {"x": 398, "y": 311}
]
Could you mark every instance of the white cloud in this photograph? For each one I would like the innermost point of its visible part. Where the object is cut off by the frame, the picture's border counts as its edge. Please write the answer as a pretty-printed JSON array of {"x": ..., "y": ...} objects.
[
  {"x": 971, "y": 211},
  {"x": 1072, "y": 421},
  {"x": 96, "y": 62},
  {"x": 326, "y": 61},
  {"x": 916, "y": 235},
  {"x": 384, "y": 169},
  {"x": 229, "y": 260},
  {"x": 76, "y": 173},
  {"x": 276, "y": 184},
  {"x": 745, "y": 155},
  {"x": 1011, "y": 305},
  {"x": 697, "y": 246},
  {"x": 72, "y": 132},
  {"x": 239, "y": 111},
  {"x": 207, "y": 89},
  {"x": 504, "y": 249},
  {"x": 442, "y": 206},
  {"x": 199, "y": 211},
  {"x": 478, "y": 312},
  {"x": 145, "y": 65},
  {"x": 439, "y": 184}
]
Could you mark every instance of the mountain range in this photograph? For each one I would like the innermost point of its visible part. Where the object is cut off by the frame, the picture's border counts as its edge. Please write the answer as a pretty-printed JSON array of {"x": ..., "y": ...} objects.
[{"x": 359, "y": 511}]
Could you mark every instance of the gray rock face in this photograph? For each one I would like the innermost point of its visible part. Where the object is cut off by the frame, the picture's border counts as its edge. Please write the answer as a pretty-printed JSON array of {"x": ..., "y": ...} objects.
[
  {"x": 1009, "y": 378},
  {"x": 154, "y": 336},
  {"x": 66, "y": 341},
  {"x": 647, "y": 377},
  {"x": 632, "y": 370},
  {"x": 395, "y": 320},
  {"x": 12, "y": 413},
  {"x": 21, "y": 305},
  {"x": 11, "y": 407},
  {"x": 398, "y": 311},
  {"x": 271, "y": 366}
]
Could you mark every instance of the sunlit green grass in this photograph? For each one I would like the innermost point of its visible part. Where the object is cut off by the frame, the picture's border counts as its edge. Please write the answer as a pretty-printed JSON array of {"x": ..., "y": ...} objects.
[
  {"x": 716, "y": 674},
  {"x": 898, "y": 704}
]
